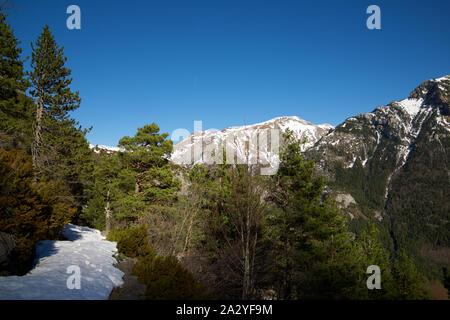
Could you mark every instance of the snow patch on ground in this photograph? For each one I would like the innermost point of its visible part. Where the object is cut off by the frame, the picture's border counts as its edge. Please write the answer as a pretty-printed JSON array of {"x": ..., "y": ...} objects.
[{"x": 85, "y": 248}]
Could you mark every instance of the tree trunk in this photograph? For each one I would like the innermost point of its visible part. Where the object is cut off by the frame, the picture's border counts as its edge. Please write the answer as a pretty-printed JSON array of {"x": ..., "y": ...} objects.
[
  {"x": 187, "y": 244},
  {"x": 136, "y": 187},
  {"x": 108, "y": 214},
  {"x": 37, "y": 138},
  {"x": 247, "y": 275}
]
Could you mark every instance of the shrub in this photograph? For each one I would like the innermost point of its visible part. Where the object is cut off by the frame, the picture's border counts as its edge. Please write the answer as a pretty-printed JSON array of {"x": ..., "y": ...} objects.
[
  {"x": 30, "y": 211},
  {"x": 164, "y": 277},
  {"x": 167, "y": 279},
  {"x": 132, "y": 242}
]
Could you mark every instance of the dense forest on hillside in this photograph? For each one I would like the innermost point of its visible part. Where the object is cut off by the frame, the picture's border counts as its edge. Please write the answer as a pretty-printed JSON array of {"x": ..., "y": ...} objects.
[{"x": 206, "y": 232}]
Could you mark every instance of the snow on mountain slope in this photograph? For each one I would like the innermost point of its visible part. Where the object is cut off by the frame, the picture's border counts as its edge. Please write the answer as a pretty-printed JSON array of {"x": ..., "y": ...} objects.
[
  {"x": 254, "y": 144},
  {"x": 87, "y": 249},
  {"x": 399, "y": 121},
  {"x": 96, "y": 148},
  {"x": 382, "y": 143}
]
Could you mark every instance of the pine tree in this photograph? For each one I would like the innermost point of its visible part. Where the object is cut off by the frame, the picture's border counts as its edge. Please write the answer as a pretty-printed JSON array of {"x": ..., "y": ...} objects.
[
  {"x": 15, "y": 108},
  {"x": 407, "y": 282},
  {"x": 372, "y": 252},
  {"x": 11, "y": 66},
  {"x": 60, "y": 151},
  {"x": 147, "y": 153},
  {"x": 293, "y": 191},
  {"x": 111, "y": 196},
  {"x": 313, "y": 253},
  {"x": 50, "y": 81}
]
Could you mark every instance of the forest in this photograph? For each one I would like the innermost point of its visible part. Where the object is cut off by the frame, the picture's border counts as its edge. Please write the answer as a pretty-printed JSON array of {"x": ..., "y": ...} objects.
[{"x": 204, "y": 232}]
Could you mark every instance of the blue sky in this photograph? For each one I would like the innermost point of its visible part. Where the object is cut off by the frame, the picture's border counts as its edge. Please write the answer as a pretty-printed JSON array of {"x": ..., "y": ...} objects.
[{"x": 231, "y": 62}]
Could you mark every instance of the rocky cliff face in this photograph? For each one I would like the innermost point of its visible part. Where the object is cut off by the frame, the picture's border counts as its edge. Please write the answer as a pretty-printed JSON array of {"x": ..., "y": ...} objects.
[
  {"x": 394, "y": 161},
  {"x": 384, "y": 143}
]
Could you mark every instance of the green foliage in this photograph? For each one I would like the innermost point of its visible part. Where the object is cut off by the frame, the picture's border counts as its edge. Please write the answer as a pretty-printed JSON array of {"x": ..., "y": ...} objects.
[
  {"x": 15, "y": 107},
  {"x": 49, "y": 78},
  {"x": 113, "y": 184},
  {"x": 11, "y": 66},
  {"x": 37, "y": 209},
  {"x": 167, "y": 279},
  {"x": 132, "y": 182},
  {"x": 31, "y": 212},
  {"x": 132, "y": 242},
  {"x": 68, "y": 158},
  {"x": 164, "y": 277},
  {"x": 407, "y": 283},
  {"x": 60, "y": 150},
  {"x": 372, "y": 252},
  {"x": 419, "y": 201},
  {"x": 416, "y": 210},
  {"x": 147, "y": 154},
  {"x": 311, "y": 245},
  {"x": 233, "y": 228}
]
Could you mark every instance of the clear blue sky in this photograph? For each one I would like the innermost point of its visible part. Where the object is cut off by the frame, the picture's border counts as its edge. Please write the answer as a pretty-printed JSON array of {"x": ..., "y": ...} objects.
[{"x": 230, "y": 62}]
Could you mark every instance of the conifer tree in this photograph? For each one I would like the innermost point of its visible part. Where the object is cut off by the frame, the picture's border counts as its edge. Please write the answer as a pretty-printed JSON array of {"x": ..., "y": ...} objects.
[
  {"x": 147, "y": 153},
  {"x": 294, "y": 192},
  {"x": 29, "y": 211},
  {"x": 50, "y": 81},
  {"x": 15, "y": 108},
  {"x": 60, "y": 151},
  {"x": 372, "y": 252},
  {"x": 407, "y": 282},
  {"x": 111, "y": 196},
  {"x": 312, "y": 248}
]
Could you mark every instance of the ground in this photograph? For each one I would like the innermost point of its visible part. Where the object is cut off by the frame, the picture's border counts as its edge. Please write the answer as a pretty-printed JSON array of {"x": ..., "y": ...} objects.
[{"x": 55, "y": 268}]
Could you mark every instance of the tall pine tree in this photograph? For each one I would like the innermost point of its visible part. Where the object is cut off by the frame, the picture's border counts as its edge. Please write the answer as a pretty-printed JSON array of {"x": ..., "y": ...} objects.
[
  {"x": 313, "y": 253},
  {"x": 50, "y": 81},
  {"x": 60, "y": 150}
]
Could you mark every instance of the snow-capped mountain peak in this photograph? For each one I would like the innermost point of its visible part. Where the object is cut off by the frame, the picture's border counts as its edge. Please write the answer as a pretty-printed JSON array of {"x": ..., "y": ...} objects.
[{"x": 252, "y": 144}]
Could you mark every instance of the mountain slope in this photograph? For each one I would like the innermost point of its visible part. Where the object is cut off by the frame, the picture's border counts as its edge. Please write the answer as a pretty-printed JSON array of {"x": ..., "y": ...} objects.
[
  {"x": 394, "y": 162},
  {"x": 391, "y": 164},
  {"x": 245, "y": 142}
]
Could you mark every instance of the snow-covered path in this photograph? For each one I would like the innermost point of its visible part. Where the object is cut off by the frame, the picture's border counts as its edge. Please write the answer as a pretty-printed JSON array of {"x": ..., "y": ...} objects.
[{"x": 86, "y": 250}]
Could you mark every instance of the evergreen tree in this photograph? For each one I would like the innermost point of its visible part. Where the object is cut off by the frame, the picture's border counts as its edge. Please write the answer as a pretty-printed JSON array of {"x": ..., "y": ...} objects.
[
  {"x": 30, "y": 211},
  {"x": 407, "y": 281},
  {"x": 15, "y": 108},
  {"x": 147, "y": 154},
  {"x": 50, "y": 81},
  {"x": 11, "y": 66},
  {"x": 111, "y": 196},
  {"x": 372, "y": 252},
  {"x": 60, "y": 150},
  {"x": 313, "y": 253}
]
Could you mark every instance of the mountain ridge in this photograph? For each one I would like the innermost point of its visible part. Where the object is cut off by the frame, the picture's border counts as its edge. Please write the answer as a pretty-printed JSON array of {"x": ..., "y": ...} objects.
[{"x": 390, "y": 164}]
